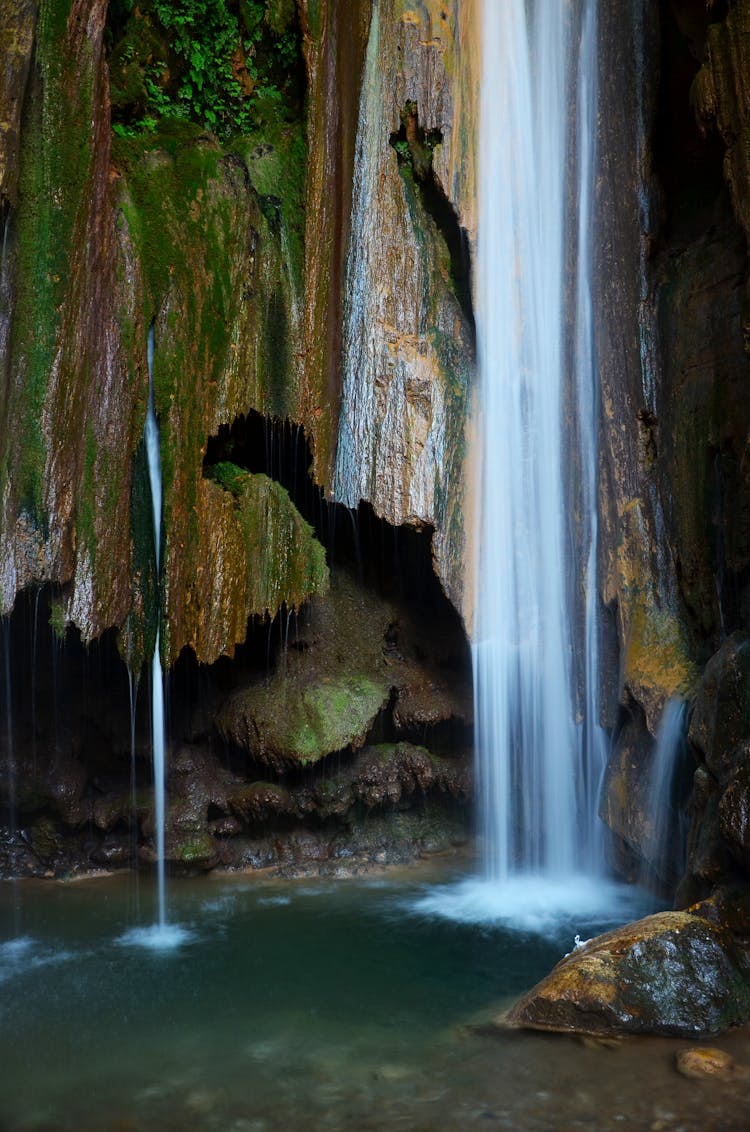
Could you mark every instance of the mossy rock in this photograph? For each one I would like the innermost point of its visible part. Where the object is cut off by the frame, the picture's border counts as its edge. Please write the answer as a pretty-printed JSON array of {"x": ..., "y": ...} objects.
[
  {"x": 672, "y": 974},
  {"x": 258, "y": 801},
  {"x": 283, "y": 725},
  {"x": 325, "y": 696},
  {"x": 192, "y": 850}
]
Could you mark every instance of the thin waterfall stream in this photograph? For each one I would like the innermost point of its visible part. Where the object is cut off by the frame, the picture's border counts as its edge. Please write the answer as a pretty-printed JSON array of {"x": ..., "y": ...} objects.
[{"x": 157, "y": 676}]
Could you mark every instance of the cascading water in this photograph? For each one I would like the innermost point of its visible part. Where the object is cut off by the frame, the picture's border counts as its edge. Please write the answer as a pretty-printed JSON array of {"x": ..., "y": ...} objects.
[
  {"x": 157, "y": 676},
  {"x": 665, "y": 841},
  {"x": 540, "y": 748},
  {"x": 539, "y": 67}
]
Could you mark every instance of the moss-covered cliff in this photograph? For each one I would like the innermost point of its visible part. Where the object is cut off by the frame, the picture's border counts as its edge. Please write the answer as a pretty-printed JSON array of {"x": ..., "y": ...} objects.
[
  {"x": 187, "y": 174},
  {"x": 233, "y": 246}
]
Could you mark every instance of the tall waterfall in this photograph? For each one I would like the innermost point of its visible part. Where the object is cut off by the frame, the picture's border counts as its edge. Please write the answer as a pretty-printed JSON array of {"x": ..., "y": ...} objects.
[
  {"x": 157, "y": 676},
  {"x": 538, "y": 764}
]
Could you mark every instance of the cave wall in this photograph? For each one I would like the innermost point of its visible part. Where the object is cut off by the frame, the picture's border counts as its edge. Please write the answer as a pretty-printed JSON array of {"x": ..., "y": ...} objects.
[
  {"x": 236, "y": 254},
  {"x": 232, "y": 248},
  {"x": 672, "y": 346}
]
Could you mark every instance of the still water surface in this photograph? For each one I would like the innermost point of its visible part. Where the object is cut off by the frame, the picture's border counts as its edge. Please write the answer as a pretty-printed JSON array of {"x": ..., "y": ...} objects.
[{"x": 298, "y": 1005}]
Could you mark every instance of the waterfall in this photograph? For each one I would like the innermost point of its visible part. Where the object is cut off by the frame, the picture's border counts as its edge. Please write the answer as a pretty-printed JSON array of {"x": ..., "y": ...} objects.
[
  {"x": 151, "y": 437},
  {"x": 538, "y": 768},
  {"x": 593, "y": 742},
  {"x": 664, "y": 844}
]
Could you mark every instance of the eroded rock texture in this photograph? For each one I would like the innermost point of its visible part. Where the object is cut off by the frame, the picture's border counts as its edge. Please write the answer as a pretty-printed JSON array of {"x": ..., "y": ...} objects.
[
  {"x": 236, "y": 255},
  {"x": 676, "y": 418},
  {"x": 233, "y": 248}
]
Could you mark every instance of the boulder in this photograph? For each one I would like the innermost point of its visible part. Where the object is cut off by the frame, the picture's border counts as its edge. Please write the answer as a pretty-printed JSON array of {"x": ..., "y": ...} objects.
[{"x": 672, "y": 973}]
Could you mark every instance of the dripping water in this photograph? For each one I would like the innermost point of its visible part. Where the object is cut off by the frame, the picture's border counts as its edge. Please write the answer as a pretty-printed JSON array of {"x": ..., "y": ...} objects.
[
  {"x": 133, "y": 683},
  {"x": 34, "y": 643}
]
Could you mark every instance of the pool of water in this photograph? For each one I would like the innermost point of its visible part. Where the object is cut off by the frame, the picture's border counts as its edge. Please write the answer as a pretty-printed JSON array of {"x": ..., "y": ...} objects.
[{"x": 284, "y": 1006}]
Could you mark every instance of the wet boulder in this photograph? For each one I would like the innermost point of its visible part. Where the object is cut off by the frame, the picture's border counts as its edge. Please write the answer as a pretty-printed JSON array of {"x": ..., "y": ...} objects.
[{"x": 669, "y": 974}]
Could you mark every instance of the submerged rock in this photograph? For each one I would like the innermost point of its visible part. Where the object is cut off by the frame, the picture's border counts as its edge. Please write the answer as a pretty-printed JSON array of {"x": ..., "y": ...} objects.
[
  {"x": 670, "y": 974},
  {"x": 706, "y": 1062}
]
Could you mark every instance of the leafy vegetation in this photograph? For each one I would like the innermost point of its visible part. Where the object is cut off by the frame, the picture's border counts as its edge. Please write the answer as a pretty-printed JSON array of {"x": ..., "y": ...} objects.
[{"x": 232, "y": 66}]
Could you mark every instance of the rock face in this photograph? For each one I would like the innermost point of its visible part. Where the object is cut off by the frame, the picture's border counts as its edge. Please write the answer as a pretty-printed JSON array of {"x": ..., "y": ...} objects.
[
  {"x": 719, "y": 834},
  {"x": 131, "y": 215},
  {"x": 671, "y": 974},
  {"x": 672, "y": 346},
  {"x": 407, "y": 341},
  {"x": 236, "y": 255}
]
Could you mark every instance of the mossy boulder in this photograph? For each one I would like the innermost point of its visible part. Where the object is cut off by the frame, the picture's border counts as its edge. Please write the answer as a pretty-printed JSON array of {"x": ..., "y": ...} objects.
[
  {"x": 324, "y": 695},
  {"x": 281, "y": 723},
  {"x": 386, "y": 775},
  {"x": 672, "y": 974}
]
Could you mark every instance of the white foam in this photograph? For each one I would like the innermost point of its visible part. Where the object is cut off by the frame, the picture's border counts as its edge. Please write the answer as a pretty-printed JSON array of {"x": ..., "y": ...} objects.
[
  {"x": 14, "y": 949},
  {"x": 156, "y": 937},
  {"x": 532, "y": 903},
  {"x": 23, "y": 954}
]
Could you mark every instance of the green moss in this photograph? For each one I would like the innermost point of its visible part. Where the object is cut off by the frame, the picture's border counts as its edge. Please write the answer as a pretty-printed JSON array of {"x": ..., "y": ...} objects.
[
  {"x": 138, "y": 635},
  {"x": 276, "y": 161},
  {"x": 314, "y": 22},
  {"x": 57, "y": 619},
  {"x": 229, "y": 476},
  {"x": 55, "y": 169},
  {"x": 198, "y": 848},
  {"x": 329, "y": 715},
  {"x": 285, "y": 562}
]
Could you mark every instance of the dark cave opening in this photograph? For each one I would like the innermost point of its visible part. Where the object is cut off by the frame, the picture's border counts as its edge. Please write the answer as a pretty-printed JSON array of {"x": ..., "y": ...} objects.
[
  {"x": 396, "y": 560},
  {"x": 75, "y": 749}
]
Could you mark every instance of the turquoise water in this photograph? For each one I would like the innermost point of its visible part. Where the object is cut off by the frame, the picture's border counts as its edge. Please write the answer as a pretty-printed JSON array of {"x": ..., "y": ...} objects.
[{"x": 286, "y": 1006}]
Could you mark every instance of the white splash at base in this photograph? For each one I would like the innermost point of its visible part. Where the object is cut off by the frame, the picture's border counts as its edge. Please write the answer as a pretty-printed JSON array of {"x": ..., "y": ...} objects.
[
  {"x": 156, "y": 937},
  {"x": 533, "y": 903}
]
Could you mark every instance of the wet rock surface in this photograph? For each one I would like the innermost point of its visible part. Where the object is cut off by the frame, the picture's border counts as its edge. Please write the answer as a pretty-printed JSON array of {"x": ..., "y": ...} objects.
[
  {"x": 76, "y": 793},
  {"x": 671, "y": 974},
  {"x": 352, "y": 653}
]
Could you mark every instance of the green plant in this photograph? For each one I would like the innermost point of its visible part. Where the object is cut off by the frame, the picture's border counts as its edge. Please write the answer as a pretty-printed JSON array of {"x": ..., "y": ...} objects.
[{"x": 230, "y": 65}]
